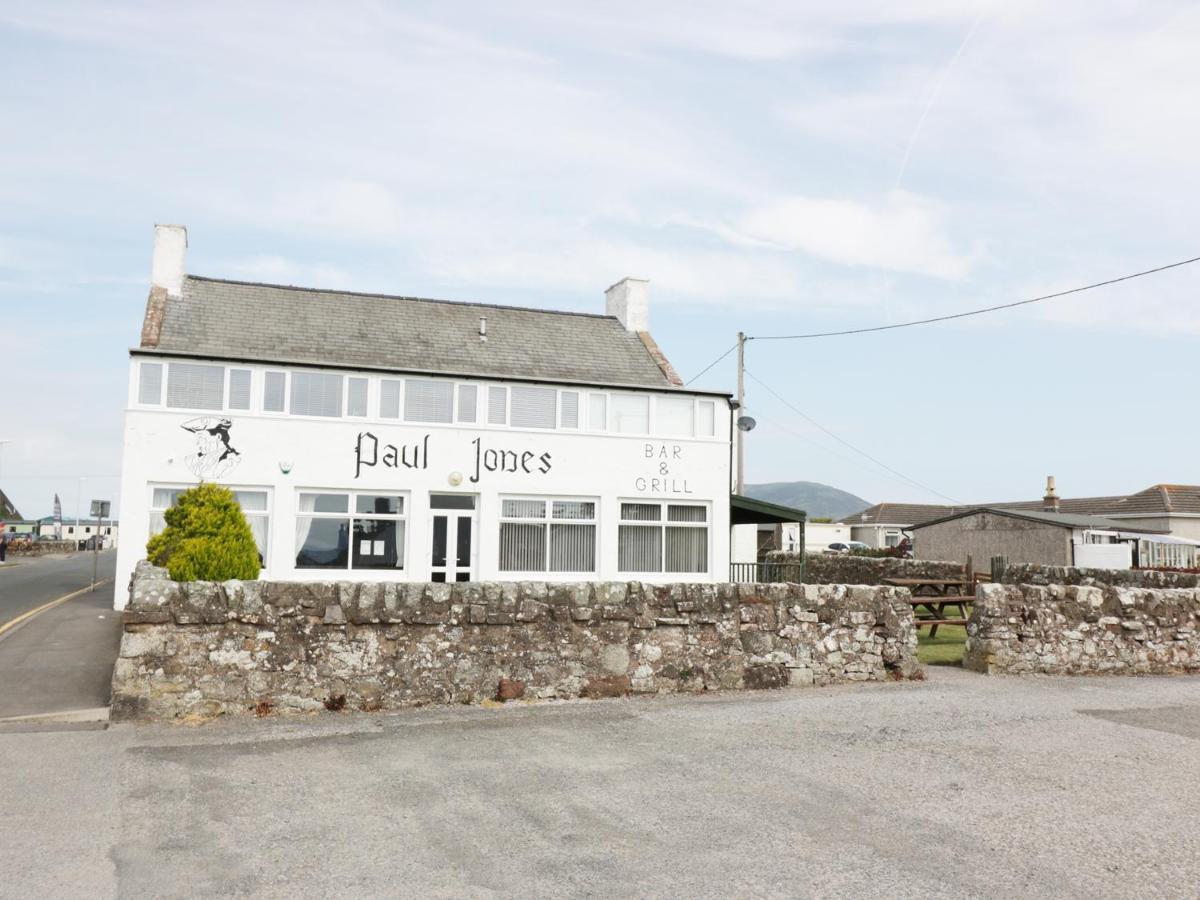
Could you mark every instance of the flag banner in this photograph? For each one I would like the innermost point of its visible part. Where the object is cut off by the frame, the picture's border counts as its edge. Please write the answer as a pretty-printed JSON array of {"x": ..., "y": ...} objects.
[{"x": 57, "y": 518}]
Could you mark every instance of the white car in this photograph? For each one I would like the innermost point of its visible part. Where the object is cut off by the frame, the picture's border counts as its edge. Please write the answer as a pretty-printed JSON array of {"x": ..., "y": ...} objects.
[{"x": 846, "y": 547}]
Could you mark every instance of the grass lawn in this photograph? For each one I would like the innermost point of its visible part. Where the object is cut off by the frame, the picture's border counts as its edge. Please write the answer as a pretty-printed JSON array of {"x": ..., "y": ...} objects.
[{"x": 944, "y": 650}]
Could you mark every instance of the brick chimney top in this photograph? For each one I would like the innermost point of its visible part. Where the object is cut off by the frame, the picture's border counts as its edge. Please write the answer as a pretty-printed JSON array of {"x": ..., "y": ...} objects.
[{"x": 1050, "y": 501}]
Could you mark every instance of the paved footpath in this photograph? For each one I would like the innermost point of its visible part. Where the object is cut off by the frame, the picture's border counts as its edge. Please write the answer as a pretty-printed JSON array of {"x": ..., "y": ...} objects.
[{"x": 961, "y": 786}]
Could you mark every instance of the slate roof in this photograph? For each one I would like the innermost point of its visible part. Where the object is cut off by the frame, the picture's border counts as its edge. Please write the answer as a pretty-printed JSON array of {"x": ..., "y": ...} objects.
[
  {"x": 1063, "y": 520},
  {"x": 900, "y": 514},
  {"x": 281, "y": 324},
  {"x": 1160, "y": 499}
]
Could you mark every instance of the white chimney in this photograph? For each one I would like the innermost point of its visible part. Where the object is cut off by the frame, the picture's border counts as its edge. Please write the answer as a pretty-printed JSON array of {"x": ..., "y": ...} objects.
[
  {"x": 170, "y": 257},
  {"x": 627, "y": 301}
]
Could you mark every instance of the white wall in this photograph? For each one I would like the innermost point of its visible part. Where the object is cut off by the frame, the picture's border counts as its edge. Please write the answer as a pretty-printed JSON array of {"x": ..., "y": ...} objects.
[
  {"x": 1104, "y": 556},
  {"x": 819, "y": 535},
  {"x": 744, "y": 544},
  {"x": 321, "y": 454}
]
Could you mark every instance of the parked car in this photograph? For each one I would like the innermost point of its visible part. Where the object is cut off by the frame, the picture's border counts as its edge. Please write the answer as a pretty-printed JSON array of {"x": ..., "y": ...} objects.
[{"x": 846, "y": 547}]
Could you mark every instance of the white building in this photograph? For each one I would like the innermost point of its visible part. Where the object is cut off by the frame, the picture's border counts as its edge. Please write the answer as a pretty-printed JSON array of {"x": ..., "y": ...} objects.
[
  {"x": 374, "y": 437},
  {"x": 81, "y": 530}
]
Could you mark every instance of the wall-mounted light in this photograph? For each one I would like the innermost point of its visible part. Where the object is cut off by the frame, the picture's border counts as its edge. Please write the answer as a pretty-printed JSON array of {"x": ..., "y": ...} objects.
[
  {"x": 455, "y": 479},
  {"x": 285, "y": 467}
]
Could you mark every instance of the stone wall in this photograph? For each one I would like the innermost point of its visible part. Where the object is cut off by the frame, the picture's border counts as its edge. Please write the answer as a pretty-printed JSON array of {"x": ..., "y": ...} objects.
[
  {"x": 22, "y": 547},
  {"x": 1079, "y": 630},
  {"x": 203, "y": 649},
  {"x": 839, "y": 568},
  {"x": 1148, "y": 578}
]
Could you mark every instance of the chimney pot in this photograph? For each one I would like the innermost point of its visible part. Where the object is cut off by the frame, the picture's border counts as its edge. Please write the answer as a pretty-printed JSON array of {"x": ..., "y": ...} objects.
[
  {"x": 1050, "y": 501},
  {"x": 170, "y": 258},
  {"x": 627, "y": 300}
]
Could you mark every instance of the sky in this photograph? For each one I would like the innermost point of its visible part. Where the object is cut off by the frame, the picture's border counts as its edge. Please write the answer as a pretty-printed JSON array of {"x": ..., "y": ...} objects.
[{"x": 772, "y": 167}]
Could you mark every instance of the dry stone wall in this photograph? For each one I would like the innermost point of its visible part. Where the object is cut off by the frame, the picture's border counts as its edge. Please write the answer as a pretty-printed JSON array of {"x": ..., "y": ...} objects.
[
  {"x": 1083, "y": 630},
  {"x": 204, "y": 649},
  {"x": 1067, "y": 575},
  {"x": 838, "y": 568}
]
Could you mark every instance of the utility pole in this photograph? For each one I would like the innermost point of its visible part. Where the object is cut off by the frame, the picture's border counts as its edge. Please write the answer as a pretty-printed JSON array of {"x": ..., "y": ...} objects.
[{"x": 741, "y": 399}]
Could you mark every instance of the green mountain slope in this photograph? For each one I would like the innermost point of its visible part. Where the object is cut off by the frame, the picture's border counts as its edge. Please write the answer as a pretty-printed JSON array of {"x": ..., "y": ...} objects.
[{"x": 818, "y": 500}]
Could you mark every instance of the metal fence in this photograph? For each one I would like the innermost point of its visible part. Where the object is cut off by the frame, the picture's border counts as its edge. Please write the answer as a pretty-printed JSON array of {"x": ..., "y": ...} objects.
[{"x": 766, "y": 573}]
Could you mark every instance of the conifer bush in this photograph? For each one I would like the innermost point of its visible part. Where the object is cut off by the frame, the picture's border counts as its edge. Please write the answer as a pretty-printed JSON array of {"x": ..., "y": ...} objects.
[{"x": 207, "y": 538}]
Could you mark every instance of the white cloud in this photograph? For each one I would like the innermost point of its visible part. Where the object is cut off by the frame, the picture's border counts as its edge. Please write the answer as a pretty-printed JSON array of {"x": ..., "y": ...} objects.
[{"x": 904, "y": 233}]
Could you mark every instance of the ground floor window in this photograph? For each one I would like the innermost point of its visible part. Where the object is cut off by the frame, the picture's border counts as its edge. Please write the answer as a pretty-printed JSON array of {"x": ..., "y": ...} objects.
[
  {"x": 350, "y": 531},
  {"x": 663, "y": 537},
  {"x": 542, "y": 534},
  {"x": 255, "y": 506}
]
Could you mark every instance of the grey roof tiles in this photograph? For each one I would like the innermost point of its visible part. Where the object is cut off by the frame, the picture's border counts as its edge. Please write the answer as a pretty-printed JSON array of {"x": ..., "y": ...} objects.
[{"x": 273, "y": 323}]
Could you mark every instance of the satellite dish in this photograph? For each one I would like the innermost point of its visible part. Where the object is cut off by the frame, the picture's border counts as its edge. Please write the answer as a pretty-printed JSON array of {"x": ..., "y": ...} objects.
[{"x": 746, "y": 423}]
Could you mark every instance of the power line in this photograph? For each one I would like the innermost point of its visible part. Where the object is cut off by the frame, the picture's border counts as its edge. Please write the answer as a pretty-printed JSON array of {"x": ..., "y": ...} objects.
[
  {"x": 863, "y": 453},
  {"x": 710, "y": 365},
  {"x": 973, "y": 312}
]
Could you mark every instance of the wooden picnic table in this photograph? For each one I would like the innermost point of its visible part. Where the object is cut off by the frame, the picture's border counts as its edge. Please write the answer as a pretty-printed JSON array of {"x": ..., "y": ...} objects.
[{"x": 935, "y": 594}]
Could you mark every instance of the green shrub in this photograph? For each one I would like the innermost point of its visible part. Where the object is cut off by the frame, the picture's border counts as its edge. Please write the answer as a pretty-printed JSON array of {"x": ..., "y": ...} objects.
[{"x": 207, "y": 538}]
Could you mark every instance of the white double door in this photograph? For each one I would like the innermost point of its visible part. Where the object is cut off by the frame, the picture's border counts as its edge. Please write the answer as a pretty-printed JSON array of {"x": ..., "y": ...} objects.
[{"x": 453, "y": 546}]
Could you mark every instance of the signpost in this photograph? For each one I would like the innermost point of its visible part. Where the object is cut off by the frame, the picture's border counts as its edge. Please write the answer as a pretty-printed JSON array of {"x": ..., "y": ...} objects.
[{"x": 100, "y": 509}]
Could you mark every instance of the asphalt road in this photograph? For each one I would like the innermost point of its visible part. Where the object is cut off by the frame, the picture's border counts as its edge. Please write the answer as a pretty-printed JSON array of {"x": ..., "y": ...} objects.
[
  {"x": 29, "y": 582},
  {"x": 961, "y": 786}
]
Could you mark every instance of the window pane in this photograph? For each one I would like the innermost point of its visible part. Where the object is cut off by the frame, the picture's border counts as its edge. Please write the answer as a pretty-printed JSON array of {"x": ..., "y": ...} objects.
[
  {"x": 322, "y": 543},
  {"x": 641, "y": 512},
  {"x": 239, "y": 388},
  {"x": 572, "y": 548},
  {"x": 389, "y": 399},
  {"x": 451, "y": 501},
  {"x": 439, "y": 543},
  {"x": 273, "y": 386},
  {"x": 150, "y": 383},
  {"x": 523, "y": 509},
  {"x": 598, "y": 412},
  {"x": 574, "y": 509},
  {"x": 497, "y": 406},
  {"x": 468, "y": 396},
  {"x": 164, "y": 498},
  {"x": 706, "y": 418},
  {"x": 533, "y": 407},
  {"x": 522, "y": 547},
  {"x": 356, "y": 397},
  {"x": 324, "y": 503},
  {"x": 569, "y": 415},
  {"x": 677, "y": 513},
  {"x": 258, "y": 525},
  {"x": 157, "y": 524},
  {"x": 316, "y": 394},
  {"x": 428, "y": 401},
  {"x": 639, "y": 548},
  {"x": 463, "y": 545},
  {"x": 251, "y": 501},
  {"x": 378, "y": 504},
  {"x": 378, "y": 544},
  {"x": 673, "y": 416},
  {"x": 687, "y": 549},
  {"x": 192, "y": 386},
  {"x": 630, "y": 414}
]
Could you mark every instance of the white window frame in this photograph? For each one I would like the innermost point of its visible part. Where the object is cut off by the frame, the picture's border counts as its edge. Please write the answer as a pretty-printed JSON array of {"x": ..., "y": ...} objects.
[
  {"x": 546, "y": 521},
  {"x": 662, "y": 524},
  {"x": 287, "y": 390},
  {"x": 350, "y": 516},
  {"x": 268, "y": 514}
]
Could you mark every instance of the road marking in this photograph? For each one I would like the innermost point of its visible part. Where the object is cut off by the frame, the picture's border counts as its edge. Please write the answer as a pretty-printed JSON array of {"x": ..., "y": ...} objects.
[
  {"x": 26, "y": 616},
  {"x": 98, "y": 714}
]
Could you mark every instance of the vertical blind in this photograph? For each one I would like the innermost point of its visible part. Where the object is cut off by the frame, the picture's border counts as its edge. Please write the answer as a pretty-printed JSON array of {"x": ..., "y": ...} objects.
[
  {"x": 273, "y": 388},
  {"x": 569, "y": 414},
  {"x": 548, "y": 535},
  {"x": 239, "y": 388},
  {"x": 680, "y": 544},
  {"x": 316, "y": 394},
  {"x": 389, "y": 399},
  {"x": 195, "y": 386},
  {"x": 150, "y": 383},
  {"x": 533, "y": 407},
  {"x": 467, "y": 402},
  {"x": 497, "y": 405},
  {"x": 428, "y": 401}
]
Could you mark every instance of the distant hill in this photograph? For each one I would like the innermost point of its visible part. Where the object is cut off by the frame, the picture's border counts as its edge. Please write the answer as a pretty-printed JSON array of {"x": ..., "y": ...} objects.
[{"x": 818, "y": 500}]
